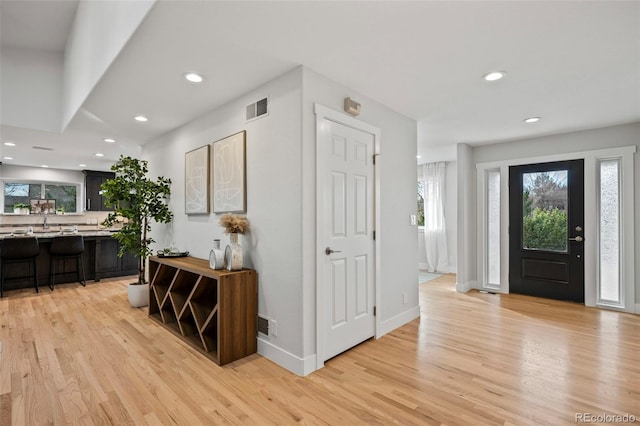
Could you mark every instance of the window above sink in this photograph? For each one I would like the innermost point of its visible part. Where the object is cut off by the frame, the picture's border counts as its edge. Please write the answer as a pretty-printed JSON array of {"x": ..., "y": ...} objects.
[{"x": 63, "y": 197}]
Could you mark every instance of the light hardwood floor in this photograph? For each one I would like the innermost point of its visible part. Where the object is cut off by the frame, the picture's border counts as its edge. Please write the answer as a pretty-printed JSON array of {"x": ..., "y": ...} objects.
[{"x": 83, "y": 356}]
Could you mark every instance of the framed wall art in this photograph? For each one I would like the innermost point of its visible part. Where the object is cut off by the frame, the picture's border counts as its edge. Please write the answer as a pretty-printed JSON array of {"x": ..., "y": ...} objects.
[
  {"x": 196, "y": 180},
  {"x": 42, "y": 206},
  {"x": 229, "y": 174}
]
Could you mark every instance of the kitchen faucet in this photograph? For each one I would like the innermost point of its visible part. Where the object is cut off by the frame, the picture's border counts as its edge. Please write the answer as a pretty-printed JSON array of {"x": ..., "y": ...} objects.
[{"x": 45, "y": 225}]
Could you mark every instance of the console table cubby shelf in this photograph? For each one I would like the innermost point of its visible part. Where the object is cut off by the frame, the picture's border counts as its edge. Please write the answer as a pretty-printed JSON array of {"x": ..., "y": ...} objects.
[{"x": 215, "y": 311}]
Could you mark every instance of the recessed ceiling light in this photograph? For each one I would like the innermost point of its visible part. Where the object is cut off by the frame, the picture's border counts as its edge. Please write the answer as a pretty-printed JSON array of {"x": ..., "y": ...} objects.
[
  {"x": 531, "y": 120},
  {"x": 140, "y": 118},
  {"x": 10, "y": 144},
  {"x": 82, "y": 165},
  {"x": 99, "y": 154},
  {"x": 8, "y": 158},
  {"x": 494, "y": 75},
  {"x": 418, "y": 156},
  {"x": 109, "y": 140},
  {"x": 44, "y": 166},
  {"x": 194, "y": 77}
]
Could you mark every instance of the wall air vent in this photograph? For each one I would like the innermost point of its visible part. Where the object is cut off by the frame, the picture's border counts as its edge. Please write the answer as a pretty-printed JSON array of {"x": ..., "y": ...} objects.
[
  {"x": 42, "y": 148},
  {"x": 263, "y": 325},
  {"x": 258, "y": 109}
]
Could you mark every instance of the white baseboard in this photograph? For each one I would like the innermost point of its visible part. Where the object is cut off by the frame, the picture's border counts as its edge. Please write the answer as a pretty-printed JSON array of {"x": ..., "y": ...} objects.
[
  {"x": 638, "y": 308},
  {"x": 397, "y": 321},
  {"x": 293, "y": 363},
  {"x": 465, "y": 287}
]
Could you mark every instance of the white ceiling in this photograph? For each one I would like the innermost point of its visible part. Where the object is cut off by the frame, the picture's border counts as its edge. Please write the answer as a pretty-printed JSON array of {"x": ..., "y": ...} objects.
[{"x": 575, "y": 64}]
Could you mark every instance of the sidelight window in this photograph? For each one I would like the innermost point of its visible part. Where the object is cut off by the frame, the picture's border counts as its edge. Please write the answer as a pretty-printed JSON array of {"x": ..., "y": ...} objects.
[
  {"x": 493, "y": 227},
  {"x": 609, "y": 286}
]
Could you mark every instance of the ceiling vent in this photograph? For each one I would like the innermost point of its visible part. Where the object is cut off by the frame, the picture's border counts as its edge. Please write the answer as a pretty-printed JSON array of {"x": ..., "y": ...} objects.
[
  {"x": 258, "y": 109},
  {"x": 42, "y": 148}
]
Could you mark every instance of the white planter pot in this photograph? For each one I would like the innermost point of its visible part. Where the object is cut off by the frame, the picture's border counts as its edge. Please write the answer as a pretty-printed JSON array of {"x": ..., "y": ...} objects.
[{"x": 138, "y": 295}]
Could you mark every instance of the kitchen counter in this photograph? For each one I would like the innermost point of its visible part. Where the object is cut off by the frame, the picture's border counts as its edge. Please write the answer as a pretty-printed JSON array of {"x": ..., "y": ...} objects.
[
  {"x": 100, "y": 259},
  {"x": 19, "y": 232}
]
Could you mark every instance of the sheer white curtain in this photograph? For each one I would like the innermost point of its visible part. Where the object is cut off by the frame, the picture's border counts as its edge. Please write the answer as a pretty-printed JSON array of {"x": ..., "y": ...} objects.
[{"x": 435, "y": 236}]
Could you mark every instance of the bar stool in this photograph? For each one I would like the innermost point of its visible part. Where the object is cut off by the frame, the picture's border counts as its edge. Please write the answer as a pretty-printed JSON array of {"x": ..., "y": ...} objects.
[
  {"x": 64, "y": 248},
  {"x": 19, "y": 250}
]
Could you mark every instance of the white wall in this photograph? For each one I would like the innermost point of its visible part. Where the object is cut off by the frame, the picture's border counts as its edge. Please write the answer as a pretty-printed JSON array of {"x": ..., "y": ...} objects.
[
  {"x": 281, "y": 204},
  {"x": 466, "y": 252},
  {"x": 450, "y": 220},
  {"x": 274, "y": 200},
  {"x": 100, "y": 31},
  {"x": 607, "y": 137},
  {"x": 42, "y": 174},
  {"x": 451, "y": 213},
  {"x": 31, "y": 82}
]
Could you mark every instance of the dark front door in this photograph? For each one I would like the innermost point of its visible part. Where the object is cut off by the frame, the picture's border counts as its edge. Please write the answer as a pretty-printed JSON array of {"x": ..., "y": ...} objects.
[{"x": 546, "y": 237}]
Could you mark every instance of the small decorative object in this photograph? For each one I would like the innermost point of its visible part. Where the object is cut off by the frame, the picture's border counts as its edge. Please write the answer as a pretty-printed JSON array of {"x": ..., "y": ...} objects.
[
  {"x": 216, "y": 256},
  {"x": 21, "y": 208},
  {"x": 233, "y": 254},
  {"x": 229, "y": 174},
  {"x": 234, "y": 224},
  {"x": 196, "y": 181},
  {"x": 351, "y": 106},
  {"x": 163, "y": 253}
]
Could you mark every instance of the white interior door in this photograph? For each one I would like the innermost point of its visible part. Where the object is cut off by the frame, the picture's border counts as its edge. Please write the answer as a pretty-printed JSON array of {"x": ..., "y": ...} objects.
[{"x": 346, "y": 156}]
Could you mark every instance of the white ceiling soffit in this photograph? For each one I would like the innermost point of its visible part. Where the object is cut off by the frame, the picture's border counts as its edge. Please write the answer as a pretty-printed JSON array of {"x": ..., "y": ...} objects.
[
  {"x": 565, "y": 62},
  {"x": 33, "y": 24},
  {"x": 576, "y": 64}
]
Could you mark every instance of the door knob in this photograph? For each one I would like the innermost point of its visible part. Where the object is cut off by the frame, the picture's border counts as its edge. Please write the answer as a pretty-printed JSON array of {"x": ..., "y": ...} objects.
[
  {"x": 577, "y": 239},
  {"x": 328, "y": 251}
]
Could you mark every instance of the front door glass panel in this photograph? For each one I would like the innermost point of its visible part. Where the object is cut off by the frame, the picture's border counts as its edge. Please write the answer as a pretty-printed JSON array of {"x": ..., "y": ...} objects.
[{"x": 544, "y": 211}]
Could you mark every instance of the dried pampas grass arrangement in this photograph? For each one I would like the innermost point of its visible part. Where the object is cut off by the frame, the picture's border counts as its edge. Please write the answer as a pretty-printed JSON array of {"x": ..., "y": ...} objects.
[{"x": 233, "y": 223}]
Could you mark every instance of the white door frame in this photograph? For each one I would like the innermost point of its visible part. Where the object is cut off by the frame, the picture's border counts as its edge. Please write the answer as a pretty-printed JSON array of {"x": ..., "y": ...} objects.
[
  {"x": 627, "y": 191},
  {"x": 324, "y": 113}
]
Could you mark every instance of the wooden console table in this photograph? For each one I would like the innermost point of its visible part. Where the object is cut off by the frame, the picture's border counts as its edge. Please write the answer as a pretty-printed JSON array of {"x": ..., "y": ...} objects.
[{"x": 215, "y": 311}]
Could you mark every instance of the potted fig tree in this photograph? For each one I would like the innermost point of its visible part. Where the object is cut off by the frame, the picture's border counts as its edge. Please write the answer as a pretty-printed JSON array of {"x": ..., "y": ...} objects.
[{"x": 137, "y": 201}]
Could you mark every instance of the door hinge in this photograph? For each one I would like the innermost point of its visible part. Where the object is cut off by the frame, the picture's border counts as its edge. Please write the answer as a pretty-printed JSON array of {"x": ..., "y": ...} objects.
[
  {"x": 374, "y": 311},
  {"x": 374, "y": 235},
  {"x": 374, "y": 159}
]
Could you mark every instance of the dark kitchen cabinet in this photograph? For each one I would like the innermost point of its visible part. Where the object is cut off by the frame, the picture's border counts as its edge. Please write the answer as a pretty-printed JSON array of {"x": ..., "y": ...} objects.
[
  {"x": 92, "y": 181},
  {"x": 109, "y": 264}
]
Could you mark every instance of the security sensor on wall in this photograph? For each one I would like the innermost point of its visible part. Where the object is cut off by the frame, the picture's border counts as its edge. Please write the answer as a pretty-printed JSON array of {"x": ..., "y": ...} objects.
[{"x": 351, "y": 106}]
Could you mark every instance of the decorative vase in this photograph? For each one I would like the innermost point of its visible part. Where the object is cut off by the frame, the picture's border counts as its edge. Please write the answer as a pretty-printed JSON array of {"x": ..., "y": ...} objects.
[
  {"x": 233, "y": 253},
  {"x": 216, "y": 256},
  {"x": 138, "y": 295}
]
